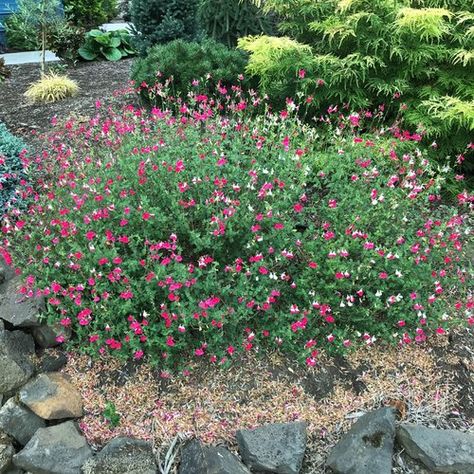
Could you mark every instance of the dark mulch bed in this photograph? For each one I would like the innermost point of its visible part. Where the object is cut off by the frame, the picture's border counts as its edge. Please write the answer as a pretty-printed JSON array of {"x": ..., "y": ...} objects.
[{"x": 97, "y": 80}]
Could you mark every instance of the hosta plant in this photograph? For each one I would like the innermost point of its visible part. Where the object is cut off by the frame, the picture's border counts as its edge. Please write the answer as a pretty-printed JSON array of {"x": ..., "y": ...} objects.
[
  {"x": 51, "y": 88},
  {"x": 111, "y": 45},
  {"x": 201, "y": 229}
]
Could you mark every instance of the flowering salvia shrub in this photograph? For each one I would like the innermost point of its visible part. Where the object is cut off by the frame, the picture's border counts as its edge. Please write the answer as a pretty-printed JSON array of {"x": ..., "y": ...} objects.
[{"x": 203, "y": 229}]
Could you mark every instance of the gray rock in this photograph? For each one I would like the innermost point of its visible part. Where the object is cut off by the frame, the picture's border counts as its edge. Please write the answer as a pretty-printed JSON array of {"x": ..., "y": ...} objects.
[
  {"x": 52, "y": 362},
  {"x": 367, "y": 447},
  {"x": 17, "y": 309},
  {"x": 59, "y": 449},
  {"x": 52, "y": 397},
  {"x": 123, "y": 455},
  {"x": 6, "y": 455},
  {"x": 438, "y": 450},
  {"x": 19, "y": 422},
  {"x": 193, "y": 459},
  {"x": 199, "y": 459},
  {"x": 16, "y": 348},
  {"x": 277, "y": 448}
]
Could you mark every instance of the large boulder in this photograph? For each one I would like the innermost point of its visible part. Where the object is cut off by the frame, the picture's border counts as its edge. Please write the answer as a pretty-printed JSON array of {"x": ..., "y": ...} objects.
[
  {"x": 438, "y": 450},
  {"x": 277, "y": 448},
  {"x": 6, "y": 454},
  {"x": 123, "y": 455},
  {"x": 52, "y": 397},
  {"x": 17, "y": 309},
  {"x": 19, "y": 422},
  {"x": 199, "y": 459},
  {"x": 16, "y": 348},
  {"x": 367, "y": 448},
  {"x": 59, "y": 449}
]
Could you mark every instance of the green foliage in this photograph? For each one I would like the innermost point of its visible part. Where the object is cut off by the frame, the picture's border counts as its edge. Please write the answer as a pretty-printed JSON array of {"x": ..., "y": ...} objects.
[
  {"x": 11, "y": 167},
  {"x": 187, "y": 62},
  {"x": 160, "y": 21},
  {"x": 37, "y": 18},
  {"x": 210, "y": 230},
  {"x": 90, "y": 13},
  {"x": 65, "y": 40},
  {"x": 29, "y": 27},
  {"x": 369, "y": 51},
  {"x": 228, "y": 20},
  {"x": 4, "y": 70},
  {"x": 20, "y": 33},
  {"x": 111, "y": 415},
  {"x": 112, "y": 45}
]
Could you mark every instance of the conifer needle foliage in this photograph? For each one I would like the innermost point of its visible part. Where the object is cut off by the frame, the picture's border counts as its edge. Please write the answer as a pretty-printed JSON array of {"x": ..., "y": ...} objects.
[{"x": 367, "y": 52}]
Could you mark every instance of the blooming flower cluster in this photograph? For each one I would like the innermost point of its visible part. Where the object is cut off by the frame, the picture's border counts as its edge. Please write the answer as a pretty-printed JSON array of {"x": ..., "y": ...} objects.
[{"x": 204, "y": 228}]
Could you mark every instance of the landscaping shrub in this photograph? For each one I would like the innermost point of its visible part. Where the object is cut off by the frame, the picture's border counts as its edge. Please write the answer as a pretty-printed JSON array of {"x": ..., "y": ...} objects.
[
  {"x": 368, "y": 52},
  {"x": 65, "y": 41},
  {"x": 90, "y": 13},
  {"x": 214, "y": 230},
  {"x": 228, "y": 20},
  {"x": 160, "y": 21},
  {"x": 12, "y": 172},
  {"x": 187, "y": 64},
  {"x": 20, "y": 34},
  {"x": 51, "y": 88},
  {"x": 30, "y": 26},
  {"x": 111, "y": 45}
]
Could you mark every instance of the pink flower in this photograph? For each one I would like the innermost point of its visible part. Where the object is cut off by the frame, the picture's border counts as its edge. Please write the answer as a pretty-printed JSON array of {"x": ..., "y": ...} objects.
[
  {"x": 137, "y": 355},
  {"x": 298, "y": 207},
  {"x": 90, "y": 235},
  {"x": 301, "y": 73}
]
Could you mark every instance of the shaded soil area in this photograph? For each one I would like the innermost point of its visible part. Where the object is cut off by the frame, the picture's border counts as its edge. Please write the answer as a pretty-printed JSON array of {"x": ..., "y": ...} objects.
[{"x": 96, "y": 80}]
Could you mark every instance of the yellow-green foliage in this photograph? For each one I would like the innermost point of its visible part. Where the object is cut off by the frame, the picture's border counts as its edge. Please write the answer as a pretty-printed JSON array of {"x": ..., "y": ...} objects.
[
  {"x": 51, "y": 88},
  {"x": 369, "y": 51},
  {"x": 277, "y": 61},
  {"x": 426, "y": 22}
]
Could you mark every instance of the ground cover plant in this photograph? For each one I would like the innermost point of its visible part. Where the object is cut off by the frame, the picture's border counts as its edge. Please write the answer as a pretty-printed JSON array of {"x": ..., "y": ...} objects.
[
  {"x": 211, "y": 226},
  {"x": 367, "y": 52}
]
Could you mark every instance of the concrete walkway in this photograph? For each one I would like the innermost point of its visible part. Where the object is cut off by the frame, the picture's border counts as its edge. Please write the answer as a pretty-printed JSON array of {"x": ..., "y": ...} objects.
[
  {"x": 115, "y": 26},
  {"x": 28, "y": 57}
]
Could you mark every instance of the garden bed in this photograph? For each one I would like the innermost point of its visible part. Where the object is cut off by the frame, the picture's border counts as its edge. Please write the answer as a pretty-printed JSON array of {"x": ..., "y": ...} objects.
[
  {"x": 430, "y": 384},
  {"x": 96, "y": 80}
]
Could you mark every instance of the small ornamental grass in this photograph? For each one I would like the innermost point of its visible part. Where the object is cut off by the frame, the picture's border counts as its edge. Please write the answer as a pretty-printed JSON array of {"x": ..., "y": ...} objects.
[
  {"x": 204, "y": 228},
  {"x": 51, "y": 88}
]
